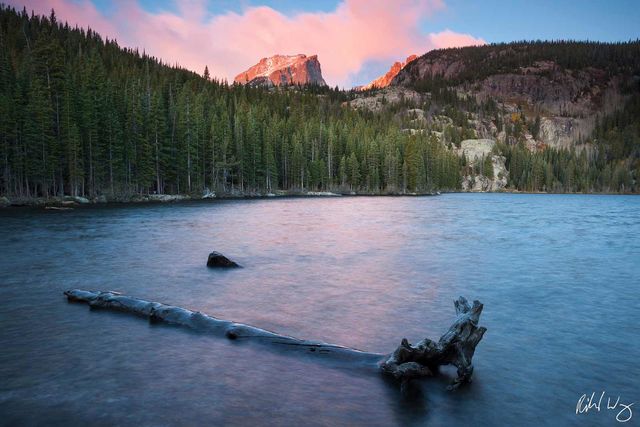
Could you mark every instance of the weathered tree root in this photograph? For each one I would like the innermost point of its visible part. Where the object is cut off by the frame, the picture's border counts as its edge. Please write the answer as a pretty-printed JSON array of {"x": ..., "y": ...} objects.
[{"x": 456, "y": 347}]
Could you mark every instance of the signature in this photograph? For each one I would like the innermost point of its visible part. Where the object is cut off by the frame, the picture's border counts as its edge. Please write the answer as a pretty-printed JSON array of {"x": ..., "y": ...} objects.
[{"x": 593, "y": 402}]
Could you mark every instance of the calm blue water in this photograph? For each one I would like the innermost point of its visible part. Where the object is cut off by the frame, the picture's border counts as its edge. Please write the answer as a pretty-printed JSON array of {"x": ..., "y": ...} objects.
[{"x": 558, "y": 274}]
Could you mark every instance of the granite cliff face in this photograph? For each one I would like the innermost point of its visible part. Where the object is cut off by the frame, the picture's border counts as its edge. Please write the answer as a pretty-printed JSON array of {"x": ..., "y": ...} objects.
[
  {"x": 386, "y": 80},
  {"x": 283, "y": 70},
  {"x": 476, "y": 151}
]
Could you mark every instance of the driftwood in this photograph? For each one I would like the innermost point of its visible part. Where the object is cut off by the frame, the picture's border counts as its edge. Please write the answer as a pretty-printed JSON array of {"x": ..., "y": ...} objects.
[
  {"x": 456, "y": 347},
  {"x": 157, "y": 312}
]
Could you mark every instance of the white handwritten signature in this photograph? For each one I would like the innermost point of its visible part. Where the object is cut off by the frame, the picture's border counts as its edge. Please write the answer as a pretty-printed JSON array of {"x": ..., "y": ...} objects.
[{"x": 588, "y": 403}]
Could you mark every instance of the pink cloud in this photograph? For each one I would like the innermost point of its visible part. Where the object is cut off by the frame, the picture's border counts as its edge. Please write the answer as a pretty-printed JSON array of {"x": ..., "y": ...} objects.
[
  {"x": 448, "y": 38},
  {"x": 356, "y": 32}
]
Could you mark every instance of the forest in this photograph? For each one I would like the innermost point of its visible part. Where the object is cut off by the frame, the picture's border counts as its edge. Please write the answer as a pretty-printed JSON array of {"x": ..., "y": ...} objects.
[{"x": 82, "y": 116}]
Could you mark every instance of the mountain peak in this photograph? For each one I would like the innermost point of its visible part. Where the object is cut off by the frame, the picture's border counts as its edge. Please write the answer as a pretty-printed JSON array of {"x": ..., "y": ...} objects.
[
  {"x": 283, "y": 70},
  {"x": 385, "y": 80}
]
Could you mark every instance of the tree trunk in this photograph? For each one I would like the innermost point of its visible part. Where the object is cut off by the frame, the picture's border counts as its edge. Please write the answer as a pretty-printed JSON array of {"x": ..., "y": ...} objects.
[
  {"x": 111, "y": 160},
  {"x": 157, "y": 312},
  {"x": 158, "y": 189},
  {"x": 456, "y": 347}
]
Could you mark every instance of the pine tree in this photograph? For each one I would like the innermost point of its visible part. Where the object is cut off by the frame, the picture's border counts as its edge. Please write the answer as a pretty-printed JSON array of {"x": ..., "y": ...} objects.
[{"x": 487, "y": 167}]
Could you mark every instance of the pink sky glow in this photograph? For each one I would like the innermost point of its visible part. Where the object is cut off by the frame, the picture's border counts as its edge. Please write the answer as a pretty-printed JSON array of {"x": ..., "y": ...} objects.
[{"x": 356, "y": 32}]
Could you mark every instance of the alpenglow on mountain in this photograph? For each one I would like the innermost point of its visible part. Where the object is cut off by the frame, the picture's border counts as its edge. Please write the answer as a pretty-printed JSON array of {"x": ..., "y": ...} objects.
[
  {"x": 384, "y": 81},
  {"x": 283, "y": 70}
]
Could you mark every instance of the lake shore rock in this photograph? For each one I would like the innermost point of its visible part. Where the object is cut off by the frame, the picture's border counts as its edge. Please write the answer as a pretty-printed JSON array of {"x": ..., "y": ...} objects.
[
  {"x": 58, "y": 208},
  {"x": 167, "y": 197},
  {"x": 79, "y": 199}
]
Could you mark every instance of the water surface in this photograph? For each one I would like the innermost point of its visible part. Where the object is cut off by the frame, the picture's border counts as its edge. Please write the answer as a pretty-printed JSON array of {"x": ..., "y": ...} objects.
[{"x": 558, "y": 275}]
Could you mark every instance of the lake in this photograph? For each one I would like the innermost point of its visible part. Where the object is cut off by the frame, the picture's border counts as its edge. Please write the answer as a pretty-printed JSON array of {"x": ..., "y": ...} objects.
[{"x": 558, "y": 274}]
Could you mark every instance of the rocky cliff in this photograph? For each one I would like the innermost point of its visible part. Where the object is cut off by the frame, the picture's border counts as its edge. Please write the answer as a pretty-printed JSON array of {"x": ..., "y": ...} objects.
[
  {"x": 476, "y": 152},
  {"x": 567, "y": 87},
  {"x": 283, "y": 70}
]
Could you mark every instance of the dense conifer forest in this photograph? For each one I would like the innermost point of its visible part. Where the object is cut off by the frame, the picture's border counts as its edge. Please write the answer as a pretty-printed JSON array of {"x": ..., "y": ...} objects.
[{"x": 80, "y": 115}]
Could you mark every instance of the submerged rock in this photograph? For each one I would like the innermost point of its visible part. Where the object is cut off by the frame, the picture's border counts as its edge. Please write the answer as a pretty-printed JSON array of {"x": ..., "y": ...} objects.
[{"x": 217, "y": 260}]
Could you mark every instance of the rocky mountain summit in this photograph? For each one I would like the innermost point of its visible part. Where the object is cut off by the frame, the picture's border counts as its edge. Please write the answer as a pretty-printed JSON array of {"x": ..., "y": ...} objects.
[
  {"x": 384, "y": 81},
  {"x": 283, "y": 70}
]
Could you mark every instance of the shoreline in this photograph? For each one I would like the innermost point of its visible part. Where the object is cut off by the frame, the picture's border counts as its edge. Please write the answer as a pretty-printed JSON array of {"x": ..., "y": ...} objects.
[
  {"x": 63, "y": 203},
  {"x": 71, "y": 202}
]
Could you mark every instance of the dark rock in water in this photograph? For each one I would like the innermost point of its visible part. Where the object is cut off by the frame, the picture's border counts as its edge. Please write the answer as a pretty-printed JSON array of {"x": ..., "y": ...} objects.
[{"x": 217, "y": 260}]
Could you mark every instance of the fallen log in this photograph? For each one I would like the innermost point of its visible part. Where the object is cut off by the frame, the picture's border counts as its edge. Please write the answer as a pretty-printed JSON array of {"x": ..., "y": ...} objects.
[
  {"x": 456, "y": 347},
  {"x": 158, "y": 312}
]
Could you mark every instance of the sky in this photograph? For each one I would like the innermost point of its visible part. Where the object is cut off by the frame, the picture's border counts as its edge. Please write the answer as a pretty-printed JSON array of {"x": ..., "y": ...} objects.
[{"x": 355, "y": 40}]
